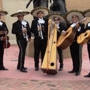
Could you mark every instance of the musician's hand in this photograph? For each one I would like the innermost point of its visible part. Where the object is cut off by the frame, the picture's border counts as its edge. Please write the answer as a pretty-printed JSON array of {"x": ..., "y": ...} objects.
[
  {"x": 39, "y": 28},
  {"x": 29, "y": 39},
  {"x": 63, "y": 32},
  {"x": 24, "y": 30},
  {"x": 2, "y": 32},
  {"x": 58, "y": 31},
  {"x": 89, "y": 42},
  {"x": 6, "y": 32},
  {"x": 1, "y": 38},
  {"x": 77, "y": 25}
]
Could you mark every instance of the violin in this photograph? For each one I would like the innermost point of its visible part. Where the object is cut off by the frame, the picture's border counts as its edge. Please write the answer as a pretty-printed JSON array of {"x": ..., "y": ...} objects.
[{"x": 6, "y": 43}]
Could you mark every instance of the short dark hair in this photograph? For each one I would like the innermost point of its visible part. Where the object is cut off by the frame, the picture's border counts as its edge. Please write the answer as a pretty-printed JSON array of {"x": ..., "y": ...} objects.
[
  {"x": 40, "y": 12},
  {"x": 56, "y": 17},
  {"x": 20, "y": 15},
  {"x": 75, "y": 16}
]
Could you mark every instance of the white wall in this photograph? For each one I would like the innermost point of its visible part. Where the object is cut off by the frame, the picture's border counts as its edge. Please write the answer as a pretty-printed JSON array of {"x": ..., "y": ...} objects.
[{"x": 13, "y": 6}]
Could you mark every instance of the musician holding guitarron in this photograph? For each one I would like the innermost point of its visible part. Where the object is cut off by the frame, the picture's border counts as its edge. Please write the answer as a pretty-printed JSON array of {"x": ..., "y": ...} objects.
[
  {"x": 3, "y": 32},
  {"x": 87, "y": 14},
  {"x": 74, "y": 17}
]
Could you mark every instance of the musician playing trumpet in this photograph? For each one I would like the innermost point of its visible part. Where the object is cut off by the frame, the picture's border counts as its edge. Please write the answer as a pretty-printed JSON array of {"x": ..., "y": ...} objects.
[
  {"x": 22, "y": 31},
  {"x": 39, "y": 28}
]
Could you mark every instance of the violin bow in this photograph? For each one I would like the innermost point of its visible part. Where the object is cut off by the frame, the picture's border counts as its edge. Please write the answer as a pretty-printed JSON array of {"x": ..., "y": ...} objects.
[{"x": 6, "y": 43}]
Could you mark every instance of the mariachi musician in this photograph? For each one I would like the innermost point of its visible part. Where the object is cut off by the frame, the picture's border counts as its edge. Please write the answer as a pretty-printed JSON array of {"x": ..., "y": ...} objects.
[
  {"x": 39, "y": 28},
  {"x": 22, "y": 31},
  {"x": 61, "y": 27},
  {"x": 3, "y": 32},
  {"x": 75, "y": 49},
  {"x": 87, "y": 14},
  {"x": 88, "y": 47}
]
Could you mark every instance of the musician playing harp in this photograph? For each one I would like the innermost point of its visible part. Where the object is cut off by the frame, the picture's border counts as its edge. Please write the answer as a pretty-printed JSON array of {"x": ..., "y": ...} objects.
[
  {"x": 61, "y": 27},
  {"x": 22, "y": 31},
  {"x": 39, "y": 27}
]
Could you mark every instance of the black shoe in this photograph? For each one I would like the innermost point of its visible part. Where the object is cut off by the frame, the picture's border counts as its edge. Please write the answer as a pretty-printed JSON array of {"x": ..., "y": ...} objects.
[
  {"x": 71, "y": 71},
  {"x": 18, "y": 68},
  {"x": 3, "y": 68},
  {"x": 23, "y": 70},
  {"x": 77, "y": 74},
  {"x": 36, "y": 68},
  {"x": 88, "y": 75},
  {"x": 25, "y": 67},
  {"x": 60, "y": 69}
]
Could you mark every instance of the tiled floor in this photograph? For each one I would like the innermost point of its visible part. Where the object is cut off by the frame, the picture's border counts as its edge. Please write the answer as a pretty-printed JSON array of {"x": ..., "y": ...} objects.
[{"x": 37, "y": 80}]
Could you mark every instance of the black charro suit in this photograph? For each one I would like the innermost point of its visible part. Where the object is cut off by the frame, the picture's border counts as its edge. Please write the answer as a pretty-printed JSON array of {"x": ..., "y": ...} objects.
[
  {"x": 61, "y": 27},
  {"x": 39, "y": 44},
  {"x": 88, "y": 46},
  {"x": 21, "y": 41},
  {"x": 3, "y": 27},
  {"x": 76, "y": 51}
]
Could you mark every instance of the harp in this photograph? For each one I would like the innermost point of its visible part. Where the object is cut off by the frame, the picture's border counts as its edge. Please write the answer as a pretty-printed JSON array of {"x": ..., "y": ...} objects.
[{"x": 49, "y": 64}]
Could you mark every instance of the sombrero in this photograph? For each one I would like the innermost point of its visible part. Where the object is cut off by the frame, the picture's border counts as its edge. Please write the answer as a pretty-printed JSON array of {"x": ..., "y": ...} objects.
[
  {"x": 54, "y": 14},
  {"x": 20, "y": 12},
  {"x": 87, "y": 13},
  {"x": 2, "y": 13},
  {"x": 72, "y": 13},
  {"x": 42, "y": 9}
]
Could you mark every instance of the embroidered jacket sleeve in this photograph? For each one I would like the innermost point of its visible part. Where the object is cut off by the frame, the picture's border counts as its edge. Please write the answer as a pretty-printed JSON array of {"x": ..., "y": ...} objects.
[
  {"x": 16, "y": 28},
  {"x": 5, "y": 26},
  {"x": 28, "y": 30},
  {"x": 34, "y": 27},
  {"x": 87, "y": 26}
]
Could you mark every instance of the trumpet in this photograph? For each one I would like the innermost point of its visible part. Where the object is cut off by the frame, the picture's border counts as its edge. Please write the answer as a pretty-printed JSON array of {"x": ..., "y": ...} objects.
[
  {"x": 40, "y": 32},
  {"x": 25, "y": 34}
]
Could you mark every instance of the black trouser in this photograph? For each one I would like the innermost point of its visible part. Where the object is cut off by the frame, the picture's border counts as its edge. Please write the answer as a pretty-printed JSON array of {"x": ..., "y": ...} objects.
[
  {"x": 1, "y": 54},
  {"x": 76, "y": 54},
  {"x": 60, "y": 53},
  {"x": 88, "y": 48},
  {"x": 39, "y": 46},
  {"x": 22, "y": 44}
]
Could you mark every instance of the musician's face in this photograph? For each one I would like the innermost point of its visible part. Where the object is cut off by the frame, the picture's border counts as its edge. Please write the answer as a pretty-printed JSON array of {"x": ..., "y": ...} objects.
[
  {"x": 20, "y": 17},
  {"x": 75, "y": 19},
  {"x": 57, "y": 20},
  {"x": 40, "y": 15}
]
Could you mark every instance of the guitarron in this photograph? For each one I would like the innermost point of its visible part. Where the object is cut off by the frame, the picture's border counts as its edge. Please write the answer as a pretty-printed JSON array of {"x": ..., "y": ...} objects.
[
  {"x": 84, "y": 37},
  {"x": 66, "y": 40}
]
